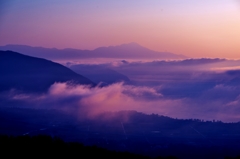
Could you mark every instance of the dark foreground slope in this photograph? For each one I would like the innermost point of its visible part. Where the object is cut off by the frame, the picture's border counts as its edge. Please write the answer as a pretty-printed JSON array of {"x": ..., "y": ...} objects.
[
  {"x": 46, "y": 146},
  {"x": 150, "y": 135},
  {"x": 27, "y": 73}
]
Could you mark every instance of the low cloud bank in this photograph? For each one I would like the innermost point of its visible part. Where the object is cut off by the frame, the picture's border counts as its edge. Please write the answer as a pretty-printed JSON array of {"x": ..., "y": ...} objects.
[
  {"x": 195, "y": 88},
  {"x": 219, "y": 103}
]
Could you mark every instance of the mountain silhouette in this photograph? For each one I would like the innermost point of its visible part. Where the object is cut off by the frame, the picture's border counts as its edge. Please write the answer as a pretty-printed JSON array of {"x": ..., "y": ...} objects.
[
  {"x": 27, "y": 73},
  {"x": 99, "y": 74},
  {"x": 134, "y": 50},
  {"x": 124, "y": 51}
]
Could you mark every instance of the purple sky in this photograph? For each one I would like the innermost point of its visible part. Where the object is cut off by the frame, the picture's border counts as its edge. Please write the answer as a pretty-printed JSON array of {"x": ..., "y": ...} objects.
[{"x": 200, "y": 28}]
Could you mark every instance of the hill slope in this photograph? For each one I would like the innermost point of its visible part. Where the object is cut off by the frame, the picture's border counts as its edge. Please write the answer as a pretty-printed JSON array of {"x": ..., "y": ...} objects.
[
  {"x": 27, "y": 73},
  {"x": 98, "y": 74}
]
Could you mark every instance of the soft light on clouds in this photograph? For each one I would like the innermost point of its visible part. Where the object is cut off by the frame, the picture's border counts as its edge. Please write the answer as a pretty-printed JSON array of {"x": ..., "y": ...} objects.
[{"x": 219, "y": 103}]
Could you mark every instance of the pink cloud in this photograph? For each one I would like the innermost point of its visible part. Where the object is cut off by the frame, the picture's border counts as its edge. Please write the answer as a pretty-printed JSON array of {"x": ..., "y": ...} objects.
[{"x": 90, "y": 102}]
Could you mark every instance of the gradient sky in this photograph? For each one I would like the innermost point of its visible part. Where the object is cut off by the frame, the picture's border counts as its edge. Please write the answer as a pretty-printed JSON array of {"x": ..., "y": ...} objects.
[{"x": 199, "y": 28}]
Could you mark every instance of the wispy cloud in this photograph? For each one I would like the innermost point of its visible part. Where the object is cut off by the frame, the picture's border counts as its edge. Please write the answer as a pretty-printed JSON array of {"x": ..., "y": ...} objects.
[
  {"x": 219, "y": 103},
  {"x": 179, "y": 89}
]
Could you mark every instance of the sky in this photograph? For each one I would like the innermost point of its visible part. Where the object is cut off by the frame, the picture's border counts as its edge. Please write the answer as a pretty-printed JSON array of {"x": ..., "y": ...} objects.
[{"x": 199, "y": 28}]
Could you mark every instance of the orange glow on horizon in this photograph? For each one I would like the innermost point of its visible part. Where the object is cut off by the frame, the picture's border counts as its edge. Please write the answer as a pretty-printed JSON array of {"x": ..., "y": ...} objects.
[{"x": 194, "y": 29}]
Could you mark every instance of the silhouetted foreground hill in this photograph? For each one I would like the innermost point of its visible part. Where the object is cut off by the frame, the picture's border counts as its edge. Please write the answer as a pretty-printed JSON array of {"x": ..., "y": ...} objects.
[
  {"x": 46, "y": 146},
  {"x": 131, "y": 50},
  {"x": 27, "y": 73},
  {"x": 150, "y": 135}
]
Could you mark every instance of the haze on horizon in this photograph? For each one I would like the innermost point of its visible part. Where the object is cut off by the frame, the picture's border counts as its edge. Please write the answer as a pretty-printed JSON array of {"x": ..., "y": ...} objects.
[{"x": 192, "y": 28}]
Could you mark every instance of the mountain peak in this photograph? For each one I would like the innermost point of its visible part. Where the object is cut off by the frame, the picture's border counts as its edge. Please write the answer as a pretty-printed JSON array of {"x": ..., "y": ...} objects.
[
  {"x": 131, "y": 45},
  {"x": 128, "y": 50}
]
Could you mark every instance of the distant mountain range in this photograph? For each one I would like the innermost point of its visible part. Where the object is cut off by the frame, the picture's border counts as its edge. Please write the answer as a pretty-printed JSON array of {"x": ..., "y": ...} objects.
[
  {"x": 124, "y": 51},
  {"x": 27, "y": 73}
]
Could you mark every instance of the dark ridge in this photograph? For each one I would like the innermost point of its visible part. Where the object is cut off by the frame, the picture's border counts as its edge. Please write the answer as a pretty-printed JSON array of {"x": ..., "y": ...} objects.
[
  {"x": 150, "y": 135},
  {"x": 99, "y": 74},
  {"x": 46, "y": 146},
  {"x": 27, "y": 73}
]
